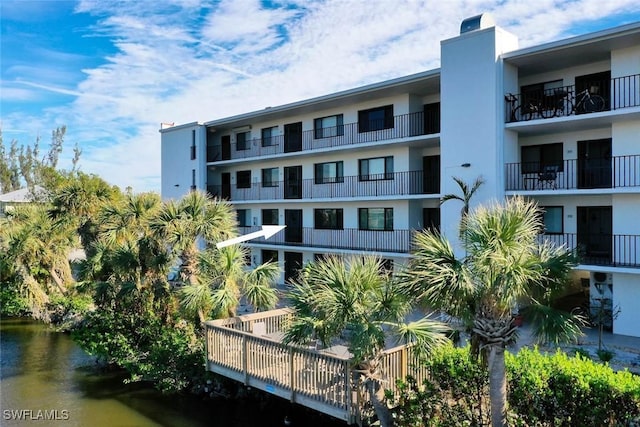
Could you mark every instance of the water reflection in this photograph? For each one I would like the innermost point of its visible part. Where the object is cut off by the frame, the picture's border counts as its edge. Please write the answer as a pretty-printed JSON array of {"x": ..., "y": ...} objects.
[{"x": 45, "y": 375}]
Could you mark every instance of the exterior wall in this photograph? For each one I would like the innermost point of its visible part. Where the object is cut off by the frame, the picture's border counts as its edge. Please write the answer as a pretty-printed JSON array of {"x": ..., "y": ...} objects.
[
  {"x": 472, "y": 117},
  {"x": 626, "y": 298},
  {"x": 176, "y": 160}
]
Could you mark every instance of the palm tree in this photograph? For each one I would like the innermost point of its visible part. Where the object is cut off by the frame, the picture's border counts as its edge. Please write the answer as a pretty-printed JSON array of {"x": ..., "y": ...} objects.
[
  {"x": 505, "y": 265},
  {"x": 38, "y": 248},
  {"x": 467, "y": 194},
  {"x": 354, "y": 299},
  {"x": 196, "y": 216},
  {"x": 224, "y": 278}
]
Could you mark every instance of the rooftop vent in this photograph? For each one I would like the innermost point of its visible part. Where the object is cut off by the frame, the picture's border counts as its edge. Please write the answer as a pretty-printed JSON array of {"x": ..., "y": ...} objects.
[{"x": 477, "y": 22}]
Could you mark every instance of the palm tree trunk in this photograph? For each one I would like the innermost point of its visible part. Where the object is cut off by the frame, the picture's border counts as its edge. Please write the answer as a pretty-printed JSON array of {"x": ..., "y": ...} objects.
[
  {"x": 497, "y": 386},
  {"x": 57, "y": 280},
  {"x": 376, "y": 395}
]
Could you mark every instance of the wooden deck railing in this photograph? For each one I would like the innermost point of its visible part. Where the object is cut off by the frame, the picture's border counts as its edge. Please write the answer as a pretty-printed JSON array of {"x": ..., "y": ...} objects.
[{"x": 249, "y": 349}]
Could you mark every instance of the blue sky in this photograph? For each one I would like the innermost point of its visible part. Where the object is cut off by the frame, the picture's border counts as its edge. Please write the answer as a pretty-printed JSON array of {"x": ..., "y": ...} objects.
[{"x": 113, "y": 70}]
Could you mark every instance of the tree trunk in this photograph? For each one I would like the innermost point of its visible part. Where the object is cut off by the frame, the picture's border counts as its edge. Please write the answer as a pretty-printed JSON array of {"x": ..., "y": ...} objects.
[
  {"x": 497, "y": 386},
  {"x": 58, "y": 281},
  {"x": 376, "y": 394}
]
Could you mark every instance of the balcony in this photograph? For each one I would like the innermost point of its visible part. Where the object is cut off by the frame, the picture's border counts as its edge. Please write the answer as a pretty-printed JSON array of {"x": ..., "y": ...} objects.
[
  {"x": 389, "y": 184},
  {"x": 404, "y": 126},
  {"x": 623, "y": 92},
  {"x": 617, "y": 250},
  {"x": 398, "y": 241},
  {"x": 614, "y": 172}
]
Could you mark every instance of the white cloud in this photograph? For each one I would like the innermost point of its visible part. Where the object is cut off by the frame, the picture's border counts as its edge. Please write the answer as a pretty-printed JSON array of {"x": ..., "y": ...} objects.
[{"x": 183, "y": 61}]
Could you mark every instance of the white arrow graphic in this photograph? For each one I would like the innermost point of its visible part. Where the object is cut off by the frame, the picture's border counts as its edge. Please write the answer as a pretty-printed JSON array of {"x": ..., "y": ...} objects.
[{"x": 266, "y": 232}]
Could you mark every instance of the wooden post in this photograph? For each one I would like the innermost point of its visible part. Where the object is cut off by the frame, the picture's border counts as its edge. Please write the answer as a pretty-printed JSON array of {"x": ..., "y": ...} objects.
[
  {"x": 244, "y": 360},
  {"x": 292, "y": 382},
  {"x": 404, "y": 363}
]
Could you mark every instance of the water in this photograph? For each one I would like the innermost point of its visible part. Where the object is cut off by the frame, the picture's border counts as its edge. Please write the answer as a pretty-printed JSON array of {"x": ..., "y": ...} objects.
[{"x": 47, "y": 380}]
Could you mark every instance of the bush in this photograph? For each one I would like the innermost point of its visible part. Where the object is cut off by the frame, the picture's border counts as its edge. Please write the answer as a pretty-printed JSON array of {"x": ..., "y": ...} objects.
[
  {"x": 561, "y": 390},
  {"x": 12, "y": 304},
  {"x": 543, "y": 390},
  {"x": 605, "y": 355},
  {"x": 455, "y": 393}
]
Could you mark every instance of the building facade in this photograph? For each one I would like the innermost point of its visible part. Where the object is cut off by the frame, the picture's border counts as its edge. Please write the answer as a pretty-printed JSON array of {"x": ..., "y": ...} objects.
[{"x": 359, "y": 171}]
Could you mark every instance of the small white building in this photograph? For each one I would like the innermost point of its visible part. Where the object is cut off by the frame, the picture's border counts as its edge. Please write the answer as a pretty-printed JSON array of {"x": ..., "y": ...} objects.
[
  {"x": 14, "y": 198},
  {"x": 359, "y": 170}
]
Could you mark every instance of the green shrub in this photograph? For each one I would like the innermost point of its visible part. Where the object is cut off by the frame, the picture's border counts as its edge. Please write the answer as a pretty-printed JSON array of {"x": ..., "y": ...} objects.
[
  {"x": 561, "y": 390},
  {"x": 605, "y": 355},
  {"x": 455, "y": 394},
  {"x": 12, "y": 304},
  {"x": 543, "y": 390}
]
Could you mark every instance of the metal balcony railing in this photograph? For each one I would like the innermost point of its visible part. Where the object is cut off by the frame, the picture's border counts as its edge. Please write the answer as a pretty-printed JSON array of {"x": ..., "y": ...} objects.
[
  {"x": 622, "y": 92},
  {"x": 615, "y": 250},
  {"x": 389, "y": 184},
  {"x": 613, "y": 172},
  {"x": 349, "y": 238},
  {"x": 404, "y": 126}
]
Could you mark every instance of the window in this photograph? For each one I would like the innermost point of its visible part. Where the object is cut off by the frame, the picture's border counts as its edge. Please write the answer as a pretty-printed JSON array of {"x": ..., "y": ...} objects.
[
  {"x": 243, "y": 141},
  {"x": 326, "y": 127},
  {"x": 269, "y": 136},
  {"x": 552, "y": 218},
  {"x": 535, "y": 93},
  {"x": 328, "y": 219},
  {"x": 193, "y": 145},
  {"x": 243, "y": 179},
  {"x": 375, "y": 218},
  {"x": 269, "y": 255},
  {"x": 375, "y": 119},
  {"x": 386, "y": 266},
  {"x": 269, "y": 216},
  {"x": 193, "y": 179},
  {"x": 375, "y": 169},
  {"x": 327, "y": 173},
  {"x": 270, "y": 177},
  {"x": 244, "y": 217},
  {"x": 535, "y": 158}
]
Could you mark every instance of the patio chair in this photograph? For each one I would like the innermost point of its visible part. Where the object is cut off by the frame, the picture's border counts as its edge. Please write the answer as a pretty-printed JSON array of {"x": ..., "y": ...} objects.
[{"x": 547, "y": 178}]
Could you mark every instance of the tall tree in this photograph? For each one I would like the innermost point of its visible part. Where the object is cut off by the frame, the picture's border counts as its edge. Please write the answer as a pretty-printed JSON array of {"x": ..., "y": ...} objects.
[
  {"x": 224, "y": 278},
  {"x": 356, "y": 299},
  {"x": 505, "y": 265},
  {"x": 196, "y": 216},
  {"x": 38, "y": 248}
]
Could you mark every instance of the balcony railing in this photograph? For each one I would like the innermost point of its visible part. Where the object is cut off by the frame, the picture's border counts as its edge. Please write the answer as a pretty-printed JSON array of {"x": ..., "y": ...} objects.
[
  {"x": 390, "y": 184},
  {"x": 617, "y": 250},
  {"x": 404, "y": 126},
  {"x": 623, "y": 92},
  {"x": 349, "y": 238},
  {"x": 614, "y": 172}
]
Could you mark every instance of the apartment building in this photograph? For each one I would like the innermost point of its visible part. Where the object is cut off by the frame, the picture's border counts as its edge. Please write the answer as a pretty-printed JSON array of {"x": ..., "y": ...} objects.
[{"x": 359, "y": 171}]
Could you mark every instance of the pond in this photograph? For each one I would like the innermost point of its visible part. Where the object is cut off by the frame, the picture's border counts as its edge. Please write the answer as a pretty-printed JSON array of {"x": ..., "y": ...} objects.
[{"x": 47, "y": 380}]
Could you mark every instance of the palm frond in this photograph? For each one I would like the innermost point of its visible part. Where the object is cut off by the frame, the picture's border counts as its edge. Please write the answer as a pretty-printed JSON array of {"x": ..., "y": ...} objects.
[{"x": 549, "y": 325}]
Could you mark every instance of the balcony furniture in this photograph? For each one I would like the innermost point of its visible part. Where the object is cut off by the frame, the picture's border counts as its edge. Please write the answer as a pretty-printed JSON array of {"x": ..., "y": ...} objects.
[{"x": 547, "y": 178}]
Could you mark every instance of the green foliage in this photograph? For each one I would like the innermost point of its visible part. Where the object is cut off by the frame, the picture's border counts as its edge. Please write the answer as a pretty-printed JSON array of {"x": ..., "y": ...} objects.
[
  {"x": 562, "y": 390},
  {"x": 455, "y": 393},
  {"x": 543, "y": 390},
  {"x": 170, "y": 356},
  {"x": 605, "y": 355},
  {"x": 12, "y": 304}
]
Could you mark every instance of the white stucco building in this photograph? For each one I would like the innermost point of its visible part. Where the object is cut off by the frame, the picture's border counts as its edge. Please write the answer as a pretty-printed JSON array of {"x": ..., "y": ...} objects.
[{"x": 356, "y": 171}]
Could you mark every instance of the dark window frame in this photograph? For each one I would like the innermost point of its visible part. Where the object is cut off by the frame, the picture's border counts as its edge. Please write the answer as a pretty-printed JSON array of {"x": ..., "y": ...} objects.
[
  {"x": 364, "y": 173},
  {"x": 334, "y": 220},
  {"x": 269, "y": 255},
  {"x": 320, "y": 178},
  {"x": 543, "y": 213},
  {"x": 320, "y": 131},
  {"x": 363, "y": 216},
  {"x": 243, "y": 141},
  {"x": 268, "y": 136},
  {"x": 243, "y": 179},
  {"x": 243, "y": 216},
  {"x": 270, "y": 216},
  {"x": 543, "y": 155},
  {"x": 269, "y": 182},
  {"x": 368, "y": 120},
  {"x": 193, "y": 145}
]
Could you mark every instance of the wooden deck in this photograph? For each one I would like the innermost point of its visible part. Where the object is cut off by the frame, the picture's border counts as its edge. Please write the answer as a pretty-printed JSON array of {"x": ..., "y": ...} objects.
[{"x": 249, "y": 349}]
